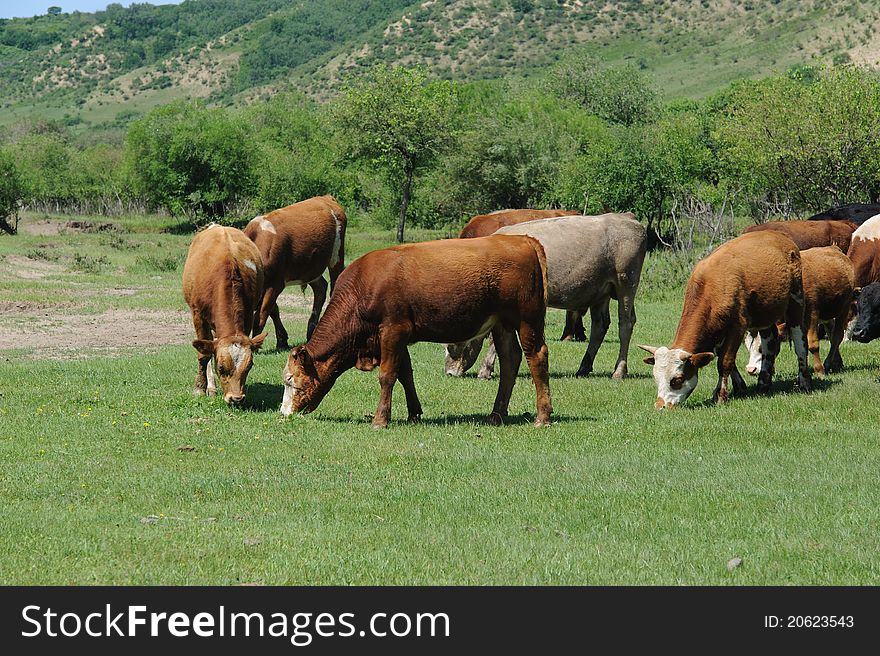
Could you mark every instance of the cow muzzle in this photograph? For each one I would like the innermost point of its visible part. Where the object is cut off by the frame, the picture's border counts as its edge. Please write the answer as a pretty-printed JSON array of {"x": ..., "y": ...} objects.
[{"x": 660, "y": 404}]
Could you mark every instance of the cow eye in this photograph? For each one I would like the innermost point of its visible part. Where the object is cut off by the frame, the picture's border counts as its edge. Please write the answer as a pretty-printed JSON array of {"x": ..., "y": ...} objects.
[{"x": 676, "y": 382}]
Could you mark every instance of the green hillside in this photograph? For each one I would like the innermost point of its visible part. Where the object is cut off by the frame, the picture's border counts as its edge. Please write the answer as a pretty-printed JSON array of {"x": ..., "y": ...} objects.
[{"x": 101, "y": 69}]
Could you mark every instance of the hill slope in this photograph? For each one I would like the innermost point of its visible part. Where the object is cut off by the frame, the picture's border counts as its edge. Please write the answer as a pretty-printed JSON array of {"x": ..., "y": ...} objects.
[{"x": 103, "y": 68}]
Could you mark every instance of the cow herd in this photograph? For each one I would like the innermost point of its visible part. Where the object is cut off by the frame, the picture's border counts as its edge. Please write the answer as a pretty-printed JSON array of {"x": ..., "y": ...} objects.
[{"x": 794, "y": 278}]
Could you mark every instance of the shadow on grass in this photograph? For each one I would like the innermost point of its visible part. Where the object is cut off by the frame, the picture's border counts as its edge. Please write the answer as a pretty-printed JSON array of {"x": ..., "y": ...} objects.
[
  {"x": 474, "y": 419},
  {"x": 263, "y": 397},
  {"x": 783, "y": 386}
]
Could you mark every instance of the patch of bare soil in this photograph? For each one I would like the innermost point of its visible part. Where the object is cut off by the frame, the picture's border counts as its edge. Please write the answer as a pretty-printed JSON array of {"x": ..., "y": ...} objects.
[
  {"x": 65, "y": 334},
  {"x": 49, "y": 228},
  {"x": 29, "y": 268},
  {"x": 44, "y": 228}
]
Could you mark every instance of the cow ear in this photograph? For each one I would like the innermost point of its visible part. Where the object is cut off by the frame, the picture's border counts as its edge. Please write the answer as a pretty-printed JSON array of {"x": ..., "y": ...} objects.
[
  {"x": 649, "y": 360},
  {"x": 701, "y": 359},
  {"x": 257, "y": 341},
  {"x": 205, "y": 347}
]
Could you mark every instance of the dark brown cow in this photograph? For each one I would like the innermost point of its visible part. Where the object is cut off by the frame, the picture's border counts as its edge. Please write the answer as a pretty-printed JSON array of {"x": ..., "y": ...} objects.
[
  {"x": 811, "y": 234},
  {"x": 484, "y": 225},
  {"x": 442, "y": 291},
  {"x": 222, "y": 280},
  {"x": 864, "y": 251},
  {"x": 298, "y": 243},
  {"x": 748, "y": 283}
]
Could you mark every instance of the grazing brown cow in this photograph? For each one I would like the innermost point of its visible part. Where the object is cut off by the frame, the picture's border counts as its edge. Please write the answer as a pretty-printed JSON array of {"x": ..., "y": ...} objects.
[
  {"x": 441, "y": 291},
  {"x": 484, "y": 225},
  {"x": 748, "y": 283},
  {"x": 298, "y": 243},
  {"x": 828, "y": 296},
  {"x": 222, "y": 280},
  {"x": 811, "y": 234},
  {"x": 864, "y": 252}
]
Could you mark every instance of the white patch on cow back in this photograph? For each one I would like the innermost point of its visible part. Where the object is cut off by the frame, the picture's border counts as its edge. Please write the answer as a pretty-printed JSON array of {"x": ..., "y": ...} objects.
[
  {"x": 264, "y": 223},
  {"x": 237, "y": 353},
  {"x": 213, "y": 225},
  {"x": 869, "y": 230},
  {"x": 250, "y": 265},
  {"x": 337, "y": 241}
]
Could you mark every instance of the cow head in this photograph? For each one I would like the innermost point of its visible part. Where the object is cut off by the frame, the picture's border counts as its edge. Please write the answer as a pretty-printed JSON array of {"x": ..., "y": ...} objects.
[
  {"x": 675, "y": 372},
  {"x": 234, "y": 357},
  {"x": 867, "y": 324},
  {"x": 303, "y": 386},
  {"x": 753, "y": 344},
  {"x": 462, "y": 356}
]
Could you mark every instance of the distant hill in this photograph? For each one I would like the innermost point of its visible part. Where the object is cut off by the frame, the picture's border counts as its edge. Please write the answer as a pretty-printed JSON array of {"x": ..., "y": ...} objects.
[{"x": 99, "y": 70}]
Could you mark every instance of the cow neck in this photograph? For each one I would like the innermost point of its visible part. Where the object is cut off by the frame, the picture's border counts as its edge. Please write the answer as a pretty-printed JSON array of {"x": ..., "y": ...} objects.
[
  {"x": 694, "y": 333},
  {"x": 230, "y": 315}
]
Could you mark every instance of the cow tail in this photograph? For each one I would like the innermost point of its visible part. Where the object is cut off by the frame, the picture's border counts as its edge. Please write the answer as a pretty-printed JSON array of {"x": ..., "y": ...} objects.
[{"x": 542, "y": 261}]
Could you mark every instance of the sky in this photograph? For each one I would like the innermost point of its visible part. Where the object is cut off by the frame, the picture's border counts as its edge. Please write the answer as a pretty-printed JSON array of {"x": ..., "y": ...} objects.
[{"x": 25, "y": 8}]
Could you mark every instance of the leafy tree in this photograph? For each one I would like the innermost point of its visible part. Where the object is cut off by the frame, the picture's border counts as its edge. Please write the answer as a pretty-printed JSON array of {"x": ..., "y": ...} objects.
[
  {"x": 12, "y": 192},
  {"x": 191, "y": 160},
  {"x": 806, "y": 144},
  {"x": 619, "y": 93},
  {"x": 399, "y": 120}
]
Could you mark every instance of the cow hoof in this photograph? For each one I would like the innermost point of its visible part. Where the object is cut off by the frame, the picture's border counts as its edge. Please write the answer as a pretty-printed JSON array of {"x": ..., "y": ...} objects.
[
  {"x": 542, "y": 423},
  {"x": 380, "y": 424},
  {"x": 583, "y": 373},
  {"x": 496, "y": 419},
  {"x": 212, "y": 391},
  {"x": 619, "y": 373},
  {"x": 415, "y": 419},
  {"x": 763, "y": 388},
  {"x": 282, "y": 346},
  {"x": 198, "y": 391},
  {"x": 484, "y": 375},
  {"x": 805, "y": 385}
]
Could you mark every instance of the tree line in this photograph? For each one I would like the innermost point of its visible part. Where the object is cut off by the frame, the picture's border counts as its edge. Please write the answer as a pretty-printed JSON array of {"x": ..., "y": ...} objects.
[{"x": 398, "y": 147}]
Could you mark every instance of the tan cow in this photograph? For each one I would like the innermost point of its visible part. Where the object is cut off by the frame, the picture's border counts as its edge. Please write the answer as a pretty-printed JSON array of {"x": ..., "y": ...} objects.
[
  {"x": 222, "y": 280},
  {"x": 484, "y": 225},
  {"x": 811, "y": 234},
  {"x": 828, "y": 296},
  {"x": 440, "y": 291},
  {"x": 298, "y": 243},
  {"x": 748, "y": 283}
]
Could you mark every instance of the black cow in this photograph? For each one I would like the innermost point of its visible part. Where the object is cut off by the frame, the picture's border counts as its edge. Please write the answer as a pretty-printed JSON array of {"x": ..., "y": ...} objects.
[
  {"x": 858, "y": 213},
  {"x": 867, "y": 326}
]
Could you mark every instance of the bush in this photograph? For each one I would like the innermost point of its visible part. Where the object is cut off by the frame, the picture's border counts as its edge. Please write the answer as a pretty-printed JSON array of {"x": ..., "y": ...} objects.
[{"x": 12, "y": 192}]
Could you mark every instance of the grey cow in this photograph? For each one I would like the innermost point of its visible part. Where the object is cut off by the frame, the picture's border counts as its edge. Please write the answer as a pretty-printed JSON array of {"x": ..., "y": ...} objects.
[{"x": 590, "y": 260}]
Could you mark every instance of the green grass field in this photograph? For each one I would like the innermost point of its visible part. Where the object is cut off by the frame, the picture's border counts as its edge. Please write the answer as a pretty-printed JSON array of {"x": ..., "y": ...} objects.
[{"x": 112, "y": 473}]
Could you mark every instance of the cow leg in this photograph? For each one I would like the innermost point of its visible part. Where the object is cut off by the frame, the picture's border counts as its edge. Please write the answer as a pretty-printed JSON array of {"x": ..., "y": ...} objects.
[
  {"x": 600, "y": 319},
  {"x": 413, "y": 406},
  {"x": 834, "y": 363},
  {"x": 319, "y": 289},
  {"x": 794, "y": 322},
  {"x": 727, "y": 367},
  {"x": 510, "y": 357},
  {"x": 269, "y": 307},
  {"x": 770, "y": 342},
  {"x": 813, "y": 347},
  {"x": 488, "y": 361},
  {"x": 281, "y": 337},
  {"x": 392, "y": 347},
  {"x": 337, "y": 268},
  {"x": 574, "y": 327},
  {"x": 205, "y": 375},
  {"x": 626, "y": 321},
  {"x": 538, "y": 357}
]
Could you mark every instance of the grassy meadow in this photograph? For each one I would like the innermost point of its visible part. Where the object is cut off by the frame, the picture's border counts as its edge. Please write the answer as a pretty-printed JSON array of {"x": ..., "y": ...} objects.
[{"x": 112, "y": 473}]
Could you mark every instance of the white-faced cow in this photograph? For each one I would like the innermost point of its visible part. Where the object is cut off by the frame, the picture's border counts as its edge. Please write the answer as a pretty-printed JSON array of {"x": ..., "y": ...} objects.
[
  {"x": 828, "y": 294},
  {"x": 222, "y": 280},
  {"x": 590, "y": 260},
  {"x": 748, "y": 283},
  {"x": 298, "y": 243},
  {"x": 484, "y": 225},
  {"x": 441, "y": 291}
]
